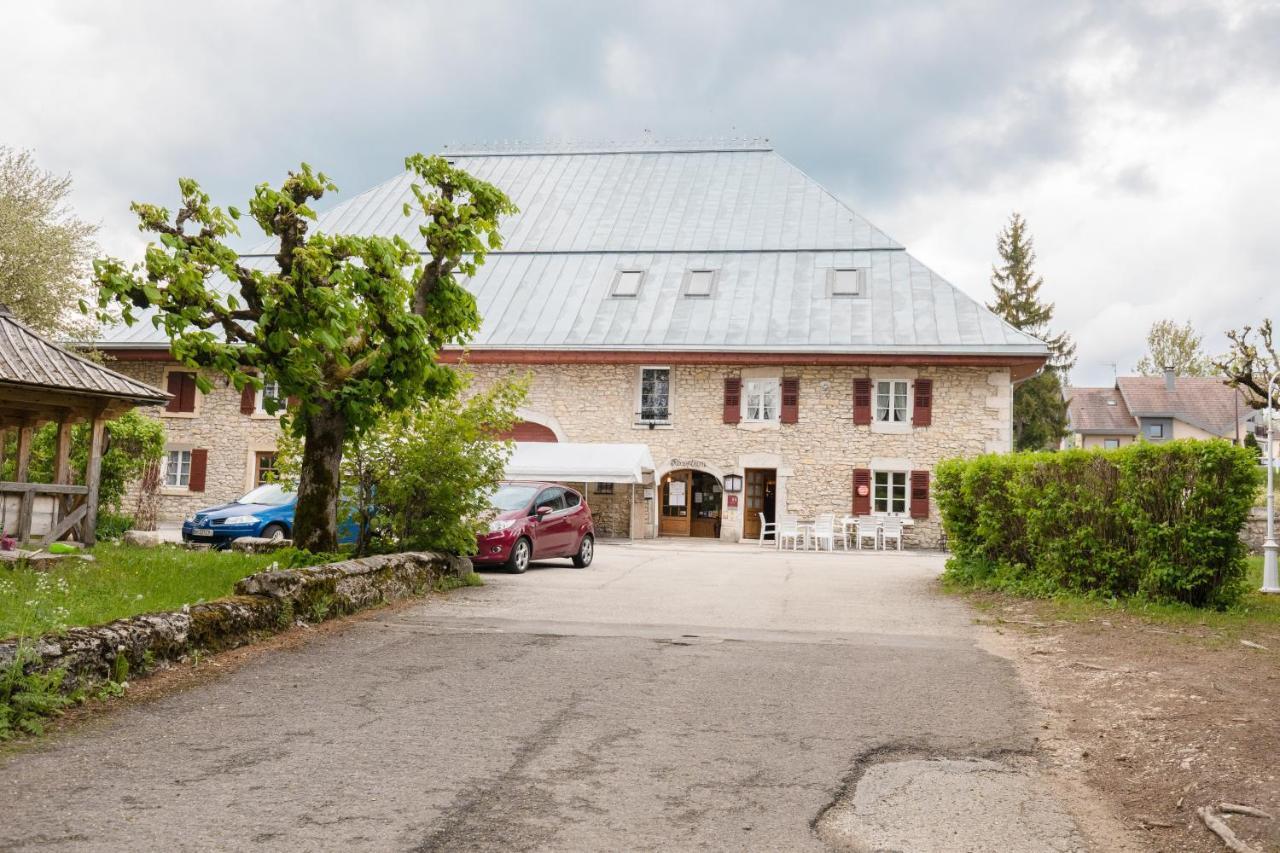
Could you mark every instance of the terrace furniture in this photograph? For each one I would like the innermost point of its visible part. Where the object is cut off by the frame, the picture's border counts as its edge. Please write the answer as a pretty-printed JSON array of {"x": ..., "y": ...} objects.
[
  {"x": 788, "y": 527},
  {"x": 770, "y": 527},
  {"x": 867, "y": 528},
  {"x": 824, "y": 530},
  {"x": 890, "y": 528}
]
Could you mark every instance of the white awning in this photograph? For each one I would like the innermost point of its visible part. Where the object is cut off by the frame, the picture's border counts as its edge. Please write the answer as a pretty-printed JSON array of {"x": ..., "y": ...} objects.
[{"x": 580, "y": 463}]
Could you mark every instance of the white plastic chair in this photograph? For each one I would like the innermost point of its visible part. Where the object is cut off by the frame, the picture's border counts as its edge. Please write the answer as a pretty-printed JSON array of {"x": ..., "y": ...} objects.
[
  {"x": 824, "y": 530},
  {"x": 891, "y": 528},
  {"x": 767, "y": 527},
  {"x": 867, "y": 528},
  {"x": 788, "y": 527}
]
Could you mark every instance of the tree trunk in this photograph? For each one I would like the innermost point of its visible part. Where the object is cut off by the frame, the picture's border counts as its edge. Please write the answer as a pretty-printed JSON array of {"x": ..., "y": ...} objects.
[{"x": 315, "y": 522}]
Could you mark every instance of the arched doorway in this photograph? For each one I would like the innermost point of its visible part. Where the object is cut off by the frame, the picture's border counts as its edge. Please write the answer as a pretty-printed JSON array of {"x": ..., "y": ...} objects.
[
  {"x": 690, "y": 504},
  {"x": 529, "y": 431}
]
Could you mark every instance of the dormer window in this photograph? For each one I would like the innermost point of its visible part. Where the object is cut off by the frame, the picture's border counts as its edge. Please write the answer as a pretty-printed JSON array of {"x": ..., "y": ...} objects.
[
  {"x": 699, "y": 283},
  {"x": 626, "y": 284},
  {"x": 847, "y": 281}
]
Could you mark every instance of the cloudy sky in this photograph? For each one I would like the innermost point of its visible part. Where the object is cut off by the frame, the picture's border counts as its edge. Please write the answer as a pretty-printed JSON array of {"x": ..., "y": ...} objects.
[{"x": 1140, "y": 140}]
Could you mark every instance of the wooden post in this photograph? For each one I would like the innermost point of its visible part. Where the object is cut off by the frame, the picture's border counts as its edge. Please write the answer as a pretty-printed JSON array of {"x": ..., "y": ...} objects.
[
  {"x": 4, "y": 444},
  {"x": 26, "y": 433},
  {"x": 93, "y": 478},
  {"x": 62, "y": 467}
]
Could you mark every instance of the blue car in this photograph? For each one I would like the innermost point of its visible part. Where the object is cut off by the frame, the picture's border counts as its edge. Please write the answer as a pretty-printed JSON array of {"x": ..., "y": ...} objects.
[{"x": 267, "y": 511}]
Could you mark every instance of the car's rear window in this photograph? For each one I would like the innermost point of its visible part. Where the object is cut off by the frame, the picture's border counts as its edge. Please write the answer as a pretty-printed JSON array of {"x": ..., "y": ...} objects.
[{"x": 511, "y": 496}]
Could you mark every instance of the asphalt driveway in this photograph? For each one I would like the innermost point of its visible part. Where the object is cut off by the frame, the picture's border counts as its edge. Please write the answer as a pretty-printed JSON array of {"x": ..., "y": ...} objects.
[{"x": 669, "y": 697}]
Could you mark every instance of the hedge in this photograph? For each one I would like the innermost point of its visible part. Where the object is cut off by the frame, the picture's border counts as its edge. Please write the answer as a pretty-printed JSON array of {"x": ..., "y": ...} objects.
[{"x": 1157, "y": 521}]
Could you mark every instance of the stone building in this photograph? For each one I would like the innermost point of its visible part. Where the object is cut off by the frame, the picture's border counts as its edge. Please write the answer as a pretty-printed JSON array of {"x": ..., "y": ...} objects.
[{"x": 776, "y": 352}]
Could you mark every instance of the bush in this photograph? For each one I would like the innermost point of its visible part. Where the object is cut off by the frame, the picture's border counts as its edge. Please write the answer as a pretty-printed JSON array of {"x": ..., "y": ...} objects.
[
  {"x": 1158, "y": 521},
  {"x": 111, "y": 526},
  {"x": 28, "y": 696}
]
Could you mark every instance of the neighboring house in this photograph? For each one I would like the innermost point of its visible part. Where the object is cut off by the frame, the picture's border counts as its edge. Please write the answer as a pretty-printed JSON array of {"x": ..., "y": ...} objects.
[
  {"x": 1156, "y": 408},
  {"x": 776, "y": 352}
]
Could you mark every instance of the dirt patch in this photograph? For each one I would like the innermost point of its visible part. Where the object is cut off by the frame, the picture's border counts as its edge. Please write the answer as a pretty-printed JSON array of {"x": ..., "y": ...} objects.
[{"x": 1145, "y": 721}]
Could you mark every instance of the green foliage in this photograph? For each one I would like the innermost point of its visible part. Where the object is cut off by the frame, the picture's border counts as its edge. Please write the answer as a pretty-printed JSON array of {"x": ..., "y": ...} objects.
[
  {"x": 1039, "y": 412},
  {"x": 1177, "y": 346},
  {"x": 28, "y": 697},
  {"x": 44, "y": 249},
  {"x": 133, "y": 441},
  {"x": 112, "y": 526},
  {"x": 1155, "y": 521},
  {"x": 350, "y": 325},
  {"x": 449, "y": 582}
]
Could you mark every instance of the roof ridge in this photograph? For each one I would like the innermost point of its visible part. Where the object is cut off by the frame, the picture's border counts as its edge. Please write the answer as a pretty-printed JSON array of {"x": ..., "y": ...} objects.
[{"x": 643, "y": 145}]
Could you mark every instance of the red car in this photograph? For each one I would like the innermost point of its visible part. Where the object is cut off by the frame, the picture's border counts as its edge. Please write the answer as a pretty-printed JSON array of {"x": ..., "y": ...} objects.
[{"x": 536, "y": 521}]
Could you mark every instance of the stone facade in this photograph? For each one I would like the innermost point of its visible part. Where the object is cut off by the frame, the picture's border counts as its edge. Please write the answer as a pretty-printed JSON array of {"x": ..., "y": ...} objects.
[
  {"x": 814, "y": 458},
  {"x": 232, "y": 440}
]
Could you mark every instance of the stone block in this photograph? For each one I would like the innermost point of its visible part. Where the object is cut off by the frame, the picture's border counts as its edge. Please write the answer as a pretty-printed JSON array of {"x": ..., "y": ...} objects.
[
  {"x": 143, "y": 538},
  {"x": 259, "y": 544}
]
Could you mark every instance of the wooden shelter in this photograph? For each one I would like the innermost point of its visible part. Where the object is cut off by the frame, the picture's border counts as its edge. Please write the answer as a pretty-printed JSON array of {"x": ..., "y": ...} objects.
[{"x": 42, "y": 382}]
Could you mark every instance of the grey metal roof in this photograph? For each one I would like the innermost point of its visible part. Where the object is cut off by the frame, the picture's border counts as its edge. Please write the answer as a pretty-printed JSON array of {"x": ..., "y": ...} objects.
[
  {"x": 27, "y": 359},
  {"x": 769, "y": 230}
]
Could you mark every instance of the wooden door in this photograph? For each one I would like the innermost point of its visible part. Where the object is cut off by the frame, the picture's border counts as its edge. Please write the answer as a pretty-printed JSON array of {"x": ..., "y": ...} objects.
[
  {"x": 759, "y": 484},
  {"x": 673, "y": 513}
]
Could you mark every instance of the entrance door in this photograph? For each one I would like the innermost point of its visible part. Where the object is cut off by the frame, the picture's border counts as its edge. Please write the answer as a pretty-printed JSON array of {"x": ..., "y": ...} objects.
[
  {"x": 691, "y": 503},
  {"x": 761, "y": 490}
]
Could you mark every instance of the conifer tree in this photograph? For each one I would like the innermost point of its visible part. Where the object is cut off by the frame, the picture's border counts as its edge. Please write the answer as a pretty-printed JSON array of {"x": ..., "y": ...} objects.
[{"x": 1039, "y": 408}]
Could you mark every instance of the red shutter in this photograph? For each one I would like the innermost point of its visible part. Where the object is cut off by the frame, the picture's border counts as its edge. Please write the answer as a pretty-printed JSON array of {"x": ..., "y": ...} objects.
[
  {"x": 732, "y": 399},
  {"x": 922, "y": 415},
  {"x": 248, "y": 399},
  {"x": 862, "y": 402},
  {"x": 182, "y": 386},
  {"x": 199, "y": 464},
  {"x": 790, "y": 411},
  {"x": 292, "y": 403},
  {"x": 174, "y": 387},
  {"x": 861, "y": 482},
  {"x": 919, "y": 494}
]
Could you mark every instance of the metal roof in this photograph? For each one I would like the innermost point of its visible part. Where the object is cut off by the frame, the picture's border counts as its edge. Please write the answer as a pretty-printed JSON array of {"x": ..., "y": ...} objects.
[
  {"x": 28, "y": 360},
  {"x": 769, "y": 230}
]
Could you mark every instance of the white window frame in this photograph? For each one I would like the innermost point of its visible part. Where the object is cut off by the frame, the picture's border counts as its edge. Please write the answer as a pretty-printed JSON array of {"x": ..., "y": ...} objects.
[
  {"x": 181, "y": 484},
  {"x": 614, "y": 289},
  {"x": 1110, "y": 444},
  {"x": 890, "y": 487},
  {"x": 893, "y": 404},
  {"x": 836, "y": 274},
  {"x": 689, "y": 277},
  {"x": 259, "y": 399},
  {"x": 764, "y": 388},
  {"x": 639, "y": 419}
]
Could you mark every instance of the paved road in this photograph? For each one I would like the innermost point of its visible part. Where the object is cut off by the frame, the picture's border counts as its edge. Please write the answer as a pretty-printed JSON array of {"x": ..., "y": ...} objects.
[{"x": 667, "y": 697}]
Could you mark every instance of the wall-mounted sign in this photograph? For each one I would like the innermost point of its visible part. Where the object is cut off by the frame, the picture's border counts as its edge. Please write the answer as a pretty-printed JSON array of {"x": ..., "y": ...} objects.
[
  {"x": 675, "y": 493},
  {"x": 687, "y": 463},
  {"x": 863, "y": 491},
  {"x": 733, "y": 500},
  {"x": 732, "y": 483}
]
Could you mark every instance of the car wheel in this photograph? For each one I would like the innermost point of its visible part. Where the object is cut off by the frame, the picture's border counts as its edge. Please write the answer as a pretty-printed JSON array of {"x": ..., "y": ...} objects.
[
  {"x": 518, "y": 562},
  {"x": 274, "y": 531},
  {"x": 586, "y": 551}
]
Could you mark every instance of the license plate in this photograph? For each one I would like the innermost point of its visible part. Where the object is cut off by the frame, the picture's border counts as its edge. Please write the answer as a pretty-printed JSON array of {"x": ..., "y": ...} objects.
[{"x": 199, "y": 531}]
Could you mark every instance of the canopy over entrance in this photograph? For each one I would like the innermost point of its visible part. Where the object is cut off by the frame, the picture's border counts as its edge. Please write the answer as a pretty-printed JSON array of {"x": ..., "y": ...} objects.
[{"x": 581, "y": 463}]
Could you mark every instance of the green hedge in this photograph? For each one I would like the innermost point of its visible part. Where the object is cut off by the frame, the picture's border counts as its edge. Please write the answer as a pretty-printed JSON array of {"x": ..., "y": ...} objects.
[{"x": 1159, "y": 521}]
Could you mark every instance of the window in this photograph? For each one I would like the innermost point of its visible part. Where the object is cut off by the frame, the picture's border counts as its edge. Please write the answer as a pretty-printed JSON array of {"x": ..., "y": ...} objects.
[
  {"x": 177, "y": 469},
  {"x": 891, "y": 401},
  {"x": 846, "y": 282},
  {"x": 604, "y": 488},
  {"x": 270, "y": 390},
  {"x": 699, "y": 283},
  {"x": 552, "y": 499},
  {"x": 1155, "y": 430},
  {"x": 1110, "y": 443},
  {"x": 571, "y": 499},
  {"x": 655, "y": 394},
  {"x": 264, "y": 465},
  {"x": 889, "y": 492},
  {"x": 627, "y": 283},
  {"x": 760, "y": 399}
]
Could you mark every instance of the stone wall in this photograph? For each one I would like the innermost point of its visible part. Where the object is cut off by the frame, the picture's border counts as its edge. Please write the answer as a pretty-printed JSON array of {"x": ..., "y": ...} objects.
[
  {"x": 218, "y": 427},
  {"x": 263, "y": 604},
  {"x": 1254, "y": 532},
  {"x": 814, "y": 458}
]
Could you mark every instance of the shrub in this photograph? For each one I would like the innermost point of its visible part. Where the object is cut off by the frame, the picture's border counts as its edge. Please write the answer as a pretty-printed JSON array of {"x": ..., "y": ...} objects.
[
  {"x": 28, "y": 696},
  {"x": 1159, "y": 521}
]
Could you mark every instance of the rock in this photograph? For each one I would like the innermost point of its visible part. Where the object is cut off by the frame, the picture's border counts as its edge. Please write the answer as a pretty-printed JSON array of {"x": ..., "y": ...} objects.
[
  {"x": 143, "y": 538},
  {"x": 259, "y": 545}
]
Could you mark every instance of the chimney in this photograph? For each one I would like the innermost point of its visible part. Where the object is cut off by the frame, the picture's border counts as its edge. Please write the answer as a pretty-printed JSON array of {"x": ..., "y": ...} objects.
[{"x": 1170, "y": 379}]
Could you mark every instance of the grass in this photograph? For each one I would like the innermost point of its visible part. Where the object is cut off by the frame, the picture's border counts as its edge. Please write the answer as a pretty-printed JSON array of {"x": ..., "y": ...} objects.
[
  {"x": 1254, "y": 611},
  {"x": 122, "y": 581}
]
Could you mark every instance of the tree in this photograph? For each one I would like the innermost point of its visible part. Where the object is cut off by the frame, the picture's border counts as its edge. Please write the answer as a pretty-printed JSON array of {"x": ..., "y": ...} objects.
[
  {"x": 1039, "y": 409},
  {"x": 1250, "y": 362},
  {"x": 350, "y": 325},
  {"x": 44, "y": 250},
  {"x": 1171, "y": 345}
]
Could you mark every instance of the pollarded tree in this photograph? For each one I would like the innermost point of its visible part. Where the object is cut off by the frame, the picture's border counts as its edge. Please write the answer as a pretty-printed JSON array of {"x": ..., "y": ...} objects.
[
  {"x": 1174, "y": 346},
  {"x": 349, "y": 325},
  {"x": 1251, "y": 361}
]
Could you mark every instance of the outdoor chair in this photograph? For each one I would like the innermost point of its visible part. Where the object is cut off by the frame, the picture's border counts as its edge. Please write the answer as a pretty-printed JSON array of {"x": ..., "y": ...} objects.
[
  {"x": 867, "y": 528},
  {"x": 824, "y": 530},
  {"x": 788, "y": 527},
  {"x": 891, "y": 528},
  {"x": 767, "y": 527}
]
